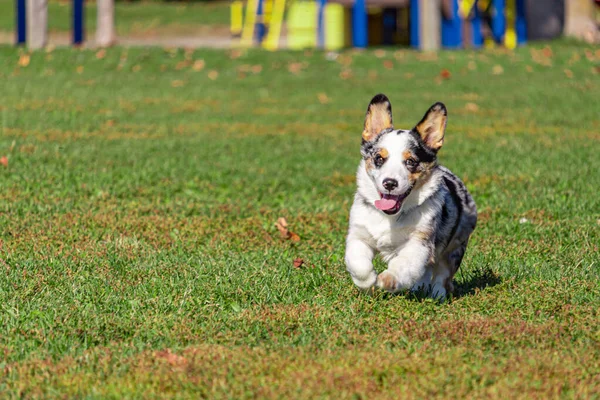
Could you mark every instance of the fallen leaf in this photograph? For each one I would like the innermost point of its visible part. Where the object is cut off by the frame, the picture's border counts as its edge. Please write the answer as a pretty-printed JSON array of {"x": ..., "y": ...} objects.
[
  {"x": 235, "y": 53},
  {"x": 284, "y": 232},
  {"x": 529, "y": 68},
  {"x": 445, "y": 74},
  {"x": 568, "y": 73},
  {"x": 100, "y": 54},
  {"x": 198, "y": 65},
  {"x": 323, "y": 99},
  {"x": 472, "y": 107},
  {"x": 181, "y": 65},
  {"x": 388, "y": 64},
  {"x": 409, "y": 75},
  {"x": 257, "y": 68},
  {"x": 547, "y": 51},
  {"x": 379, "y": 53},
  {"x": 24, "y": 60},
  {"x": 346, "y": 74},
  {"x": 213, "y": 75},
  {"x": 298, "y": 262},
  {"x": 497, "y": 70},
  {"x": 4, "y": 161},
  {"x": 472, "y": 65},
  {"x": 136, "y": 68},
  {"x": 172, "y": 359},
  {"x": 79, "y": 69},
  {"x": 295, "y": 68},
  {"x": 177, "y": 83}
]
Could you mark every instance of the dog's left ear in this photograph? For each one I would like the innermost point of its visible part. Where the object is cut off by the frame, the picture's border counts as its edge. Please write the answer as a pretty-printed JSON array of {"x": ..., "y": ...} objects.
[{"x": 433, "y": 126}]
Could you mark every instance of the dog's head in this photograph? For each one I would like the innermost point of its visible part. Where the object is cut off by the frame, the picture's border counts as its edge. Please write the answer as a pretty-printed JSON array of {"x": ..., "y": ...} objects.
[{"x": 397, "y": 160}]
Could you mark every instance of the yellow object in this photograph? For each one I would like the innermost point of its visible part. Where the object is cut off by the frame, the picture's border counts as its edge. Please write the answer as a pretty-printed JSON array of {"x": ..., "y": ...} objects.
[
  {"x": 465, "y": 7},
  {"x": 510, "y": 36},
  {"x": 248, "y": 30},
  {"x": 271, "y": 42},
  {"x": 334, "y": 22},
  {"x": 302, "y": 25},
  {"x": 237, "y": 17}
]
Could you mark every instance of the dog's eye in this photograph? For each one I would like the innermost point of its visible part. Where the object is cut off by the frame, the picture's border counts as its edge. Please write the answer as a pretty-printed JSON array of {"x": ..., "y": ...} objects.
[
  {"x": 410, "y": 163},
  {"x": 379, "y": 160}
]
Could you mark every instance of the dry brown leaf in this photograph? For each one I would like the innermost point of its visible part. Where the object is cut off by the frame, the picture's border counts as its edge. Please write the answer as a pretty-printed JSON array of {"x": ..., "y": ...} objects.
[
  {"x": 346, "y": 74},
  {"x": 213, "y": 75},
  {"x": 298, "y": 262},
  {"x": 497, "y": 70},
  {"x": 471, "y": 107},
  {"x": 181, "y": 65},
  {"x": 79, "y": 69},
  {"x": 24, "y": 60},
  {"x": 323, "y": 99},
  {"x": 136, "y": 68},
  {"x": 284, "y": 232},
  {"x": 568, "y": 73},
  {"x": 235, "y": 53},
  {"x": 379, "y": 53},
  {"x": 4, "y": 161},
  {"x": 257, "y": 68},
  {"x": 388, "y": 64},
  {"x": 177, "y": 83},
  {"x": 445, "y": 74},
  {"x": 198, "y": 65},
  {"x": 172, "y": 359},
  {"x": 100, "y": 54},
  {"x": 295, "y": 68},
  {"x": 529, "y": 68}
]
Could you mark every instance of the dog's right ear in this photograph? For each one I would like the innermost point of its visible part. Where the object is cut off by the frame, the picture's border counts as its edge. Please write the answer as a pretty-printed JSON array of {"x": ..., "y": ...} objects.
[{"x": 378, "y": 118}]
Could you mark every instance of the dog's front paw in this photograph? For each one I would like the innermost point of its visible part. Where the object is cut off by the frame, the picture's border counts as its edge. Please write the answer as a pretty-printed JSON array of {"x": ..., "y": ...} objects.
[{"x": 388, "y": 282}]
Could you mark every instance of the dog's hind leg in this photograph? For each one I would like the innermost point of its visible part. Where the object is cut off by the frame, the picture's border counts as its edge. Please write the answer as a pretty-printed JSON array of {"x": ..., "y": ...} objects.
[{"x": 444, "y": 271}]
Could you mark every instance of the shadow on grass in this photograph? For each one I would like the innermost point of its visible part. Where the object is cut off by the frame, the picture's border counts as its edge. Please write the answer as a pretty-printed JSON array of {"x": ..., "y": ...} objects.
[{"x": 472, "y": 282}]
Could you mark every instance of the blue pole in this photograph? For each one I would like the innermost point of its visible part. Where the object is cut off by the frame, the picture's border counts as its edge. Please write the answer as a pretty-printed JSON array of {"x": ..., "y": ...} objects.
[
  {"x": 498, "y": 19},
  {"x": 452, "y": 28},
  {"x": 359, "y": 24},
  {"x": 521, "y": 23},
  {"x": 413, "y": 23},
  {"x": 21, "y": 22},
  {"x": 260, "y": 22},
  {"x": 321, "y": 24},
  {"x": 78, "y": 24},
  {"x": 476, "y": 27}
]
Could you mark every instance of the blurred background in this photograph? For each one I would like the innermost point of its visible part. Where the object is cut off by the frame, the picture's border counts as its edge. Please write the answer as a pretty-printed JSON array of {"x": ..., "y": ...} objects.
[{"x": 297, "y": 24}]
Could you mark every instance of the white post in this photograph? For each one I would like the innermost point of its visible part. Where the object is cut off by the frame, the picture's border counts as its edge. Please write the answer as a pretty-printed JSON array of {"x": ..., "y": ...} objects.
[
  {"x": 579, "y": 20},
  {"x": 37, "y": 23},
  {"x": 430, "y": 23},
  {"x": 105, "y": 29}
]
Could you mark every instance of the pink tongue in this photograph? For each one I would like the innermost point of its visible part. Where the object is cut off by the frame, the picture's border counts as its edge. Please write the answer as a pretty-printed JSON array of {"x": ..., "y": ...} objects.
[{"x": 385, "y": 204}]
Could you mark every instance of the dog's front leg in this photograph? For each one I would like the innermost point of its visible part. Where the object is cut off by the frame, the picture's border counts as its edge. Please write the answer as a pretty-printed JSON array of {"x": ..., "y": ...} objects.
[
  {"x": 406, "y": 268},
  {"x": 359, "y": 263}
]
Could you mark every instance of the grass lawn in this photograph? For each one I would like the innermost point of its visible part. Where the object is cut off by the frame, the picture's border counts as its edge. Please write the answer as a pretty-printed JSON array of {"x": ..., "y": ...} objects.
[
  {"x": 139, "y": 255},
  {"x": 135, "y": 18}
]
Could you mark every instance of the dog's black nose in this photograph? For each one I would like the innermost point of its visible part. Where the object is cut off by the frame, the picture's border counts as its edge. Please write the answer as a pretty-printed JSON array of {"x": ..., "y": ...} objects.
[{"x": 390, "y": 184}]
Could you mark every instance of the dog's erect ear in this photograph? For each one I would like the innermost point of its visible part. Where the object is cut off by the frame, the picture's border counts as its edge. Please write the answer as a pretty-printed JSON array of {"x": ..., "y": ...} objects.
[
  {"x": 433, "y": 126},
  {"x": 378, "y": 118}
]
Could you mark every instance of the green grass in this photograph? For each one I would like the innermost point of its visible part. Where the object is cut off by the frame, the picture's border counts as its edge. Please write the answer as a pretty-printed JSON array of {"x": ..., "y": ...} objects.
[
  {"x": 132, "y": 18},
  {"x": 139, "y": 256}
]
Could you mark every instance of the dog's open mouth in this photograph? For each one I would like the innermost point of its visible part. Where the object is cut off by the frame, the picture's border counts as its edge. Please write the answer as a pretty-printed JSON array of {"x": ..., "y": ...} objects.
[{"x": 389, "y": 203}]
